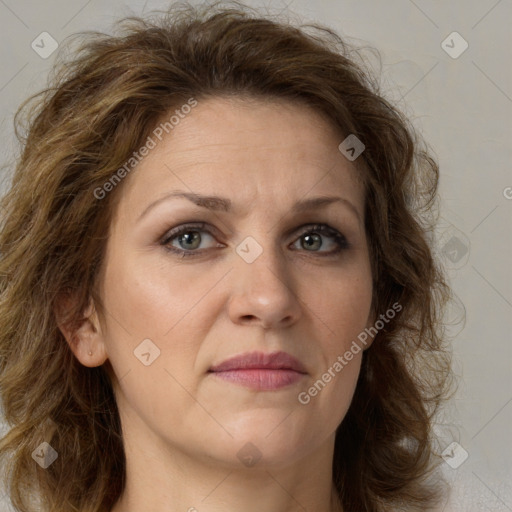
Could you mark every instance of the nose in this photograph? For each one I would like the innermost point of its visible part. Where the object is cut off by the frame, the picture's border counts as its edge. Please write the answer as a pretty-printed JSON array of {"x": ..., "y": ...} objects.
[{"x": 264, "y": 292}]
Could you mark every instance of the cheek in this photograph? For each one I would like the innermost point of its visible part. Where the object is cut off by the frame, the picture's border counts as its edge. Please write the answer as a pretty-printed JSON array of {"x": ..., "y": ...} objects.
[
  {"x": 147, "y": 298},
  {"x": 145, "y": 303},
  {"x": 150, "y": 299},
  {"x": 343, "y": 305},
  {"x": 329, "y": 394}
]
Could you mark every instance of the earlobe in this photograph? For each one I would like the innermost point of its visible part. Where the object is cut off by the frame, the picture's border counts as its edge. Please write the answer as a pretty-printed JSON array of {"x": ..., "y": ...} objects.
[{"x": 85, "y": 337}]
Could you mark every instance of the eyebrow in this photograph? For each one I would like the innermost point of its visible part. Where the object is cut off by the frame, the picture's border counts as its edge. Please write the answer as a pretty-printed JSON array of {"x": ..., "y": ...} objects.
[{"x": 217, "y": 203}]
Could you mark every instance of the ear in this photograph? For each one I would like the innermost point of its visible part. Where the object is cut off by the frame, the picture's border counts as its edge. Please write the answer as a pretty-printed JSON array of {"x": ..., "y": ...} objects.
[
  {"x": 370, "y": 329},
  {"x": 85, "y": 338}
]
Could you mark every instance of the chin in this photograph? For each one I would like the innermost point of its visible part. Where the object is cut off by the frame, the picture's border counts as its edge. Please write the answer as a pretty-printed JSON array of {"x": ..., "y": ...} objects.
[
  {"x": 259, "y": 453},
  {"x": 266, "y": 439}
]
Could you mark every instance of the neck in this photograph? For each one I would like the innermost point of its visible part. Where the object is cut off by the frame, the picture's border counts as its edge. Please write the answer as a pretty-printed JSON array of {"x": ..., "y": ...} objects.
[{"x": 165, "y": 479}]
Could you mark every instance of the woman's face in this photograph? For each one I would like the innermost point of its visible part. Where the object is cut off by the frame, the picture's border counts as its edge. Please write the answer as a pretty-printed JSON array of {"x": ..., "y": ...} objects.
[{"x": 250, "y": 274}]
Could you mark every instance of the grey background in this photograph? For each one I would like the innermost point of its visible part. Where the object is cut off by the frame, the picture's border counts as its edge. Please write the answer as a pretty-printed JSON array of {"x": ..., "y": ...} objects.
[{"x": 463, "y": 107}]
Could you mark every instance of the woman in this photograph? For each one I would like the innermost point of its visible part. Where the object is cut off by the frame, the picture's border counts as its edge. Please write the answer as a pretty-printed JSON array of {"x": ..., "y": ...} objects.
[{"x": 217, "y": 291}]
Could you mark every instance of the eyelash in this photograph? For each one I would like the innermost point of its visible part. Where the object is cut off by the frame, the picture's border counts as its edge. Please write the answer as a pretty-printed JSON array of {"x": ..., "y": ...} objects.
[{"x": 321, "y": 229}]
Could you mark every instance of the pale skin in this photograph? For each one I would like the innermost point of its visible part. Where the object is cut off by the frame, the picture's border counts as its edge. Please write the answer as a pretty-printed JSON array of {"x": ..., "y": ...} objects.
[{"x": 182, "y": 427}]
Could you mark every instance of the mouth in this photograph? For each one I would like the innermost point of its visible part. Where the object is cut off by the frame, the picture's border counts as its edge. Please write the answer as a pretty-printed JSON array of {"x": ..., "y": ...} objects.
[{"x": 260, "y": 371}]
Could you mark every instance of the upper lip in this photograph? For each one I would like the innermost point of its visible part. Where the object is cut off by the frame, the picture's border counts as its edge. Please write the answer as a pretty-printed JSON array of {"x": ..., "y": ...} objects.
[{"x": 260, "y": 360}]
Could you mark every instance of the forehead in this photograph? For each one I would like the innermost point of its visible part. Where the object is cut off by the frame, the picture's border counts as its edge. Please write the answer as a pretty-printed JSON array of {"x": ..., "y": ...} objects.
[{"x": 246, "y": 148}]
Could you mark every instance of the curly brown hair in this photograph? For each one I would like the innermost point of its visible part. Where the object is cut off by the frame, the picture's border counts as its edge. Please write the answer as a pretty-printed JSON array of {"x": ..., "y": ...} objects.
[{"x": 100, "y": 106}]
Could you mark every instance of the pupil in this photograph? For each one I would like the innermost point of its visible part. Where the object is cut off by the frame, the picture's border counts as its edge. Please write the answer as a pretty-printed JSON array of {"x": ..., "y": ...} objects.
[
  {"x": 311, "y": 239},
  {"x": 190, "y": 237}
]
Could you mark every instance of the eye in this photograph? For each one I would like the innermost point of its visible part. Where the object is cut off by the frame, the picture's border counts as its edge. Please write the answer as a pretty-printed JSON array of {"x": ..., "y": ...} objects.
[
  {"x": 187, "y": 237},
  {"x": 185, "y": 240},
  {"x": 312, "y": 238}
]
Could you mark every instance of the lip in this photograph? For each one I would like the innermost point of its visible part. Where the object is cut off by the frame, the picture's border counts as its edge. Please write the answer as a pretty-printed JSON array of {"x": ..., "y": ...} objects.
[{"x": 257, "y": 370}]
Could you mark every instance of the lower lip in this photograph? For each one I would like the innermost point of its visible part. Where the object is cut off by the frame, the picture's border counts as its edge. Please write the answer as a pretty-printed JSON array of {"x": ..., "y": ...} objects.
[{"x": 261, "y": 379}]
